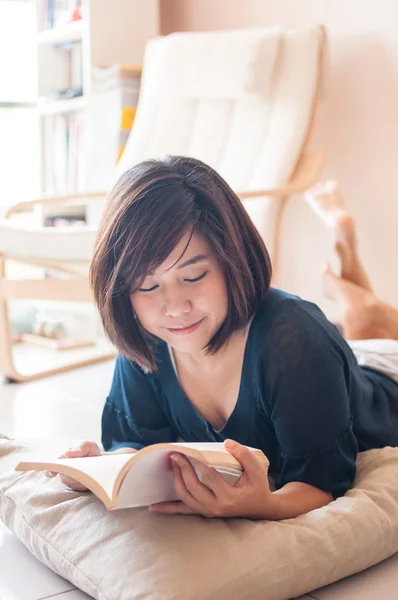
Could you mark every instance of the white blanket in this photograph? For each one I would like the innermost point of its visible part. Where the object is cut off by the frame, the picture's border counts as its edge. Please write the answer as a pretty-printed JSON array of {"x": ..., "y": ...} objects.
[{"x": 381, "y": 355}]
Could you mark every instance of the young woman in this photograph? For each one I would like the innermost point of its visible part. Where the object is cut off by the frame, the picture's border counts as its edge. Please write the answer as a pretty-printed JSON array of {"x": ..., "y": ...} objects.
[{"x": 208, "y": 351}]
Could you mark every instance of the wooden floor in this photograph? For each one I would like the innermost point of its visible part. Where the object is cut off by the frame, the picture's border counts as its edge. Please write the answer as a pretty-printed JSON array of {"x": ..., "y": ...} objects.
[{"x": 69, "y": 404}]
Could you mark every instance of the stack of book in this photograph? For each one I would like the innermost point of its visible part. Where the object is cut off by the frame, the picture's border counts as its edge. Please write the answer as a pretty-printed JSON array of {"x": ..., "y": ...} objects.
[
  {"x": 113, "y": 104},
  {"x": 119, "y": 85},
  {"x": 64, "y": 153}
]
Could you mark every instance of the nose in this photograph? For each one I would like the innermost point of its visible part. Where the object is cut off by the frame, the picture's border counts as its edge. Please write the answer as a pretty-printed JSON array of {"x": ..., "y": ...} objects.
[{"x": 176, "y": 304}]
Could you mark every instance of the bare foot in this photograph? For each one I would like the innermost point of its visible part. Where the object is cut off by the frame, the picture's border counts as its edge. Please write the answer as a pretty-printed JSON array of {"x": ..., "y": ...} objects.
[{"x": 327, "y": 201}]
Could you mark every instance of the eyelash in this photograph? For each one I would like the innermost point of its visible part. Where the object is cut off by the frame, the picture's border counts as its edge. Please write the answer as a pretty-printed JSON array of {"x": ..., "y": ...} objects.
[{"x": 187, "y": 280}]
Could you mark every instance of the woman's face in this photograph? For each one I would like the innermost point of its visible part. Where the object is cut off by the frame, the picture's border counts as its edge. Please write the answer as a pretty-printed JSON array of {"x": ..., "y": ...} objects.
[{"x": 184, "y": 303}]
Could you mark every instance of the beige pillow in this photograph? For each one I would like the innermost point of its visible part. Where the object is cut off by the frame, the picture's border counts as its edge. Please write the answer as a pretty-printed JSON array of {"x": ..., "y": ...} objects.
[{"x": 131, "y": 554}]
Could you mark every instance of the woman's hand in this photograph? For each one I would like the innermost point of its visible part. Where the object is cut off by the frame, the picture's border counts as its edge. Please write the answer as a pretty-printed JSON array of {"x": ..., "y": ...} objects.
[
  {"x": 84, "y": 449},
  {"x": 250, "y": 497}
]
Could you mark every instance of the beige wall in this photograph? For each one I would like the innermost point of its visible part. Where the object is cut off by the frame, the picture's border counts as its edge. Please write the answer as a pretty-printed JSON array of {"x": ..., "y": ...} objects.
[
  {"x": 120, "y": 29},
  {"x": 357, "y": 125}
]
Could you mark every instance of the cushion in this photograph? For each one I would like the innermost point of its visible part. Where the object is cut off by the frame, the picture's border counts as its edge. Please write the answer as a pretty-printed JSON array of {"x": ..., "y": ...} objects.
[
  {"x": 256, "y": 139},
  {"x": 47, "y": 243},
  {"x": 132, "y": 553},
  {"x": 246, "y": 58}
]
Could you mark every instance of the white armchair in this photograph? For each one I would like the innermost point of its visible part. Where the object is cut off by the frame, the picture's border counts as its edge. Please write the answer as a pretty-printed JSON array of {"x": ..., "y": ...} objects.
[{"x": 242, "y": 101}]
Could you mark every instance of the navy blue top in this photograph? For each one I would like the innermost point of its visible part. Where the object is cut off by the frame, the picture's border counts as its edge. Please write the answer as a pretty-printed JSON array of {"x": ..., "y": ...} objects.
[{"x": 303, "y": 400}]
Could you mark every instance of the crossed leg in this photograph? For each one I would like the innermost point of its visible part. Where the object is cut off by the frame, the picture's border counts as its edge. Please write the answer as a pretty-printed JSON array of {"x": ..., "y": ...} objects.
[{"x": 363, "y": 315}]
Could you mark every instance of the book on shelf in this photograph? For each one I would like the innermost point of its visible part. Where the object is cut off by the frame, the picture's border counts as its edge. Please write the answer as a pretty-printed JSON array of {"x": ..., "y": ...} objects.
[
  {"x": 64, "y": 153},
  {"x": 74, "y": 61},
  {"x": 64, "y": 220},
  {"x": 55, "y": 13},
  {"x": 76, "y": 65},
  {"x": 143, "y": 478},
  {"x": 115, "y": 93},
  {"x": 69, "y": 60}
]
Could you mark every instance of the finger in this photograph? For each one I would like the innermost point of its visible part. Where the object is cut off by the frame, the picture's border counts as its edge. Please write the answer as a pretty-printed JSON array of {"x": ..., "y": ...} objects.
[
  {"x": 172, "y": 508},
  {"x": 186, "y": 480},
  {"x": 184, "y": 494},
  {"x": 250, "y": 464},
  {"x": 50, "y": 474},
  {"x": 75, "y": 453},
  {"x": 84, "y": 449},
  {"x": 89, "y": 449},
  {"x": 210, "y": 477}
]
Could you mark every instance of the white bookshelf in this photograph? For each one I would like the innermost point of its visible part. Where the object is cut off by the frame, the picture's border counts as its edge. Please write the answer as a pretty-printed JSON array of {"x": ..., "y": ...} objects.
[
  {"x": 75, "y": 30},
  {"x": 62, "y": 106},
  {"x": 110, "y": 32}
]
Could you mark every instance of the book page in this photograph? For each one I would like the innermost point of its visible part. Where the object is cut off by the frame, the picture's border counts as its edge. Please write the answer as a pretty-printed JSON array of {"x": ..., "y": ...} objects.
[
  {"x": 102, "y": 469},
  {"x": 150, "y": 480}
]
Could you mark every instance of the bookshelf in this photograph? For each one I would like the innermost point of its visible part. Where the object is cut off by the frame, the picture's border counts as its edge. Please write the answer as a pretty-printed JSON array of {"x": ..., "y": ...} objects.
[
  {"x": 75, "y": 30},
  {"x": 62, "y": 106},
  {"x": 86, "y": 52}
]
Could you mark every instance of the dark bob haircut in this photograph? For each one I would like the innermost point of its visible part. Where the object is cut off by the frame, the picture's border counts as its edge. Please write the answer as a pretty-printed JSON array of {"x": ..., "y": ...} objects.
[{"x": 149, "y": 210}]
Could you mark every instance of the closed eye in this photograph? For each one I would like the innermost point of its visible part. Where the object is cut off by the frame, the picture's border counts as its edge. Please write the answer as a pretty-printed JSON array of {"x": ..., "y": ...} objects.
[
  {"x": 148, "y": 289},
  {"x": 196, "y": 278},
  {"x": 187, "y": 280}
]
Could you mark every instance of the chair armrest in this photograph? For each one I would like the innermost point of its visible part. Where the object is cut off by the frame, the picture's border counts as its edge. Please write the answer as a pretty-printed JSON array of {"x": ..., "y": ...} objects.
[
  {"x": 306, "y": 174},
  {"x": 51, "y": 200}
]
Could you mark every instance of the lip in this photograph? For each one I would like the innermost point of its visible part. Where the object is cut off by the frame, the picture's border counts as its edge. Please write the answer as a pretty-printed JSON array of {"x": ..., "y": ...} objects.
[{"x": 186, "y": 330}]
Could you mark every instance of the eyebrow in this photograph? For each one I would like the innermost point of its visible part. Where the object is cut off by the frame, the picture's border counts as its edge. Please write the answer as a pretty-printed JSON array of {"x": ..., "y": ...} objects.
[{"x": 193, "y": 261}]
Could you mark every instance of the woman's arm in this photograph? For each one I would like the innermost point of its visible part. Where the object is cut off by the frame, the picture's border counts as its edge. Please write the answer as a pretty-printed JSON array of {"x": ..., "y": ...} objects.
[
  {"x": 307, "y": 395},
  {"x": 296, "y": 498},
  {"x": 250, "y": 497},
  {"x": 133, "y": 417}
]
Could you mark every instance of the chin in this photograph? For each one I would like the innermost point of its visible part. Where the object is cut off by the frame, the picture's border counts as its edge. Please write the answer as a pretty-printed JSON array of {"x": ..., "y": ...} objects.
[{"x": 192, "y": 343}]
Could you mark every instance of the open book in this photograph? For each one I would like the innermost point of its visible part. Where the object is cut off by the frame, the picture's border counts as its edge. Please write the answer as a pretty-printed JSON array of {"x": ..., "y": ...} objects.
[{"x": 143, "y": 478}]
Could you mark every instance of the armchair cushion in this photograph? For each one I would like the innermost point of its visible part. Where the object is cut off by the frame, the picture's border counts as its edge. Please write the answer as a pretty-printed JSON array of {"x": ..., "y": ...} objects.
[
  {"x": 253, "y": 139},
  {"x": 52, "y": 244},
  {"x": 249, "y": 123},
  {"x": 247, "y": 58}
]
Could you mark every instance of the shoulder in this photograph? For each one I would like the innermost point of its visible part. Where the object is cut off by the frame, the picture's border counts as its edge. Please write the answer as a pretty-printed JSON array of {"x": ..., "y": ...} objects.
[
  {"x": 291, "y": 325},
  {"x": 281, "y": 307},
  {"x": 127, "y": 369},
  {"x": 160, "y": 352},
  {"x": 131, "y": 385}
]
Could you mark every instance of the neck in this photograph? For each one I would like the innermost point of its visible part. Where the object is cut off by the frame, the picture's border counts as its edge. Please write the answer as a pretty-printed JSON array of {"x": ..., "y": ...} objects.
[{"x": 202, "y": 361}]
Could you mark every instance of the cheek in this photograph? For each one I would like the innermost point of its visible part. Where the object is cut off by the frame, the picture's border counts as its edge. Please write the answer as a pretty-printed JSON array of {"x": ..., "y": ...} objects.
[
  {"x": 144, "y": 307},
  {"x": 215, "y": 294}
]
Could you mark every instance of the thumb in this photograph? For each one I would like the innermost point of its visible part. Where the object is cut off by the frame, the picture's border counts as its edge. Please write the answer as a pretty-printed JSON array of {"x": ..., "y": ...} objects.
[
  {"x": 85, "y": 449},
  {"x": 251, "y": 466}
]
